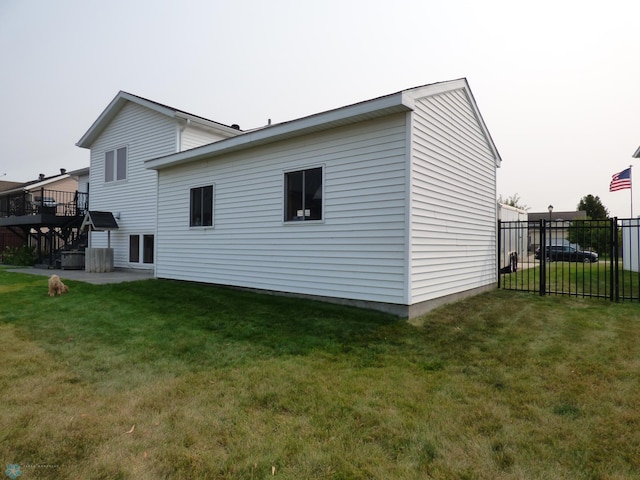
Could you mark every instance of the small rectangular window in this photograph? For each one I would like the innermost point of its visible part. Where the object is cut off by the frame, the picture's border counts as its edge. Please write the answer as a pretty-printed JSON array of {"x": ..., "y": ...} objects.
[
  {"x": 201, "y": 207},
  {"x": 109, "y": 166},
  {"x": 134, "y": 248},
  {"x": 121, "y": 164},
  {"x": 115, "y": 165},
  {"x": 147, "y": 249},
  {"x": 303, "y": 195}
]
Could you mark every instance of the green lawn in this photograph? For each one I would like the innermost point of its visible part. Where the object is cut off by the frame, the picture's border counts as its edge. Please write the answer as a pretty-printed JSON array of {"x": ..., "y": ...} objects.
[
  {"x": 575, "y": 279},
  {"x": 159, "y": 379}
]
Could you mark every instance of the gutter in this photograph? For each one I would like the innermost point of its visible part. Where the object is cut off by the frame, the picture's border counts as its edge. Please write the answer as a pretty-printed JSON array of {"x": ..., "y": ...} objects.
[{"x": 390, "y": 104}]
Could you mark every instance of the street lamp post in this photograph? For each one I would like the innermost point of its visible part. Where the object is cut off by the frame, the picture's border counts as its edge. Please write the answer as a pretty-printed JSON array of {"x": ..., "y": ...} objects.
[
  {"x": 546, "y": 248},
  {"x": 550, "y": 208}
]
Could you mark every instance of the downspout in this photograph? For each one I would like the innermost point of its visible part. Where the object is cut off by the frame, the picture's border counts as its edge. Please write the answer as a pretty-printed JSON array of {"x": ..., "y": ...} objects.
[{"x": 182, "y": 127}]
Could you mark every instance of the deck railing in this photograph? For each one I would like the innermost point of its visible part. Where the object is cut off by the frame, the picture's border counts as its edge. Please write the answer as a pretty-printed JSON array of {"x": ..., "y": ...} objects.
[{"x": 43, "y": 201}]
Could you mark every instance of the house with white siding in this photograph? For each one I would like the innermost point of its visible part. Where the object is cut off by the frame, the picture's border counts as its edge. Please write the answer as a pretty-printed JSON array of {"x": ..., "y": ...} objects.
[
  {"x": 388, "y": 203},
  {"x": 129, "y": 131}
]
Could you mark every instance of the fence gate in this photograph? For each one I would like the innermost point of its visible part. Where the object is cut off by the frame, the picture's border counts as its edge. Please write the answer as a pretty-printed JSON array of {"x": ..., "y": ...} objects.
[{"x": 587, "y": 258}]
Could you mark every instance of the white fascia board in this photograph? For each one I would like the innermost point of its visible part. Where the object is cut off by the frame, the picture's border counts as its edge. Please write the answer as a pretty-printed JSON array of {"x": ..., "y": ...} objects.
[
  {"x": 207, "y": 124},
  {"x": 112, "y": 110},
  {"x": 321, "y": 121},
  {"x": 434, "y": 89},
  {"x": 80, "y": 172}
]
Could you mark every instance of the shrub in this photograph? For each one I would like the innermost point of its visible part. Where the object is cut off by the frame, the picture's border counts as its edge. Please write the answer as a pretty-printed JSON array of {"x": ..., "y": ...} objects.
[{"x": 23, "y": 255}]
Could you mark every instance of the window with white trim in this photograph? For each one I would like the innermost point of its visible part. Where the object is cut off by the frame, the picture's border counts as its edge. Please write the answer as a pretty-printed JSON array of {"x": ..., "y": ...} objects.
[
  {"x": 115, "y": 165},
  {"x": 141, "y": 249},
  {"x": 201, "y": 207},
  {"x": 303, "y": 195}
]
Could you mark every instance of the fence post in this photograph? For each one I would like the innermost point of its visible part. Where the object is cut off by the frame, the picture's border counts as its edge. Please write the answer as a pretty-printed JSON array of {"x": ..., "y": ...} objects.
[
  {"x": 543, "y": 257},
  {"x": 499, "y": 250},
  {"x": 615, "y": 283}
]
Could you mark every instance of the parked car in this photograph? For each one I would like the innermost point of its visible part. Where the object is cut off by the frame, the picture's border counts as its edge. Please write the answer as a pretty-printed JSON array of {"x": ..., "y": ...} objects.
[{"x": 568, "y": 253}]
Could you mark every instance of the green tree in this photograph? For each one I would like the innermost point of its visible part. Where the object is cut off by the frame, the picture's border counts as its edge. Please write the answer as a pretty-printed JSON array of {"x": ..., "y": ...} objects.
[
  {"x": 594, "y": 233},
  {"x": 513, "y": 201},
  {"x": 594, "y": 208}
]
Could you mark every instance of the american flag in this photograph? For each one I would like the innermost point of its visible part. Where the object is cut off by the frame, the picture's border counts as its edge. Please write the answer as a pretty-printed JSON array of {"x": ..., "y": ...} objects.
[{"x": 621, "y": 180}]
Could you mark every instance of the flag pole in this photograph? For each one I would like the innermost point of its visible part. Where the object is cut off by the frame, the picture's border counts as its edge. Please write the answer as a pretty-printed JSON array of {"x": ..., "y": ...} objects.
[{"x": 631, "y": 190}]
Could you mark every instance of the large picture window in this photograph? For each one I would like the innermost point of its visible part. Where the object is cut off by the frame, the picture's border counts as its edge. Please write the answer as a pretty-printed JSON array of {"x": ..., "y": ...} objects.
[
  {"x": 115, "y": 165},
  {"x": 201, "y": 210},
  {"x": 303, "y": 195}
]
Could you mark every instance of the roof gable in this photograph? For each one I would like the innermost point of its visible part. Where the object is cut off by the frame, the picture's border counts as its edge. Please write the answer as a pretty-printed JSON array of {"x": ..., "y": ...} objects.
[
  {"x": 460, "y": 84},
  {"x": 402, "y": 101},
  {"x": 122, "y": 98}
]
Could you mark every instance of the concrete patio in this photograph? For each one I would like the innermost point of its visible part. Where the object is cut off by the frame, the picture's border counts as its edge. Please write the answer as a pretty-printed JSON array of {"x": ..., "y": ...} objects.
[{"x": 117, "y": 276}]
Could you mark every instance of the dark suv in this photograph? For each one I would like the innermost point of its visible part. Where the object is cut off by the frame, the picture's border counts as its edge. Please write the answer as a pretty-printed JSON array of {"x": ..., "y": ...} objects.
[{"x": 568, "y": 253}]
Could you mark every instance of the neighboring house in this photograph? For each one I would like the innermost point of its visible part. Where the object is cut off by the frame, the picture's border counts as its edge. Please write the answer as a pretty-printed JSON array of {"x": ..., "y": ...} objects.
[
  {"x": 129, "y": 131},
  {"x": 46, "y": 191},
  {"x": 387, "y": 203},
  {"x": 631, "y": 238},
  {"x": 560, "y": 223},
  {"x": 514, "y": 234},
  {"x": 44, "y": 213},
  {"x": 8, "y": 237}
]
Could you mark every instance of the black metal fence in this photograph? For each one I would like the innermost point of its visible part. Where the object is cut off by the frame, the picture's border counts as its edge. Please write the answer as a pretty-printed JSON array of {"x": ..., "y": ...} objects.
[{"x": 586, "y": 258}]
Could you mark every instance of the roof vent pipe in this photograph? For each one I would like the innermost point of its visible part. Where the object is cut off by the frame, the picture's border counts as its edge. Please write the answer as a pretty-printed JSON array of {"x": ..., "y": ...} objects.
[
  {"x": 63, "y": 171},
  {"x": 41, "y": 176},
  {"x": 235, "y": 126}
]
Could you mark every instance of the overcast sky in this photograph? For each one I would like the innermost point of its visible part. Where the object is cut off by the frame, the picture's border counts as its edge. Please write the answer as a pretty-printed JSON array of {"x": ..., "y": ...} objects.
[{"x": 557, "y": 82}]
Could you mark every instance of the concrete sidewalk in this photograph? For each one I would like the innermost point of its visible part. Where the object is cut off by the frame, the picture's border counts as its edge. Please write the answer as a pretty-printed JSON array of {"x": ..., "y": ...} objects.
[{"x": 117, "y": 276}]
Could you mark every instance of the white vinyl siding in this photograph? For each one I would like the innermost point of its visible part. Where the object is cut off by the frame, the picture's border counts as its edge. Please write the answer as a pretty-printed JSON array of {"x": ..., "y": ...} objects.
[
  {"x": 357, "y": 251},
  {"x": 83, "y": 183},
  {"x": 453, "y": 208},
  {"x": 192, "y": 137},
  {"x": 146, "y": 134}
]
